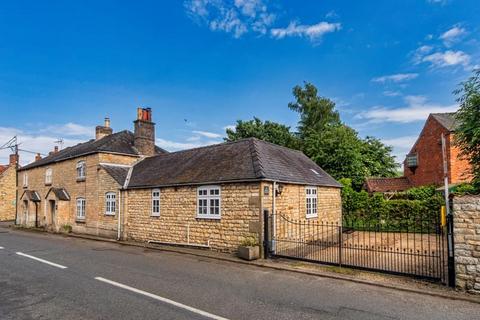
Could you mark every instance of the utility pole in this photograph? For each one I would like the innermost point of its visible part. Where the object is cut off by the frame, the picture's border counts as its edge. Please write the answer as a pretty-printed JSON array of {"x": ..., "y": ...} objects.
[
  {"x": 16, "y": 179},
  {"x": 445, "y": 173},
  {"x": 450, "y": 240}
]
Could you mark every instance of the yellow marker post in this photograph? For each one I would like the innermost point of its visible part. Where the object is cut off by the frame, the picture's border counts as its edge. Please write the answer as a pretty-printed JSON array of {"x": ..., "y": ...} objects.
[{"x": 443, "y": 216}]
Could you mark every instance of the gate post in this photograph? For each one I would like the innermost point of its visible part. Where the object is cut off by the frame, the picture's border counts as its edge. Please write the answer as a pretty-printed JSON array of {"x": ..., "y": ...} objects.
[
  {"x": 451, "y": 253},
  {"x": 340, "y": 241},
  {"x": 266, "y": 236}
]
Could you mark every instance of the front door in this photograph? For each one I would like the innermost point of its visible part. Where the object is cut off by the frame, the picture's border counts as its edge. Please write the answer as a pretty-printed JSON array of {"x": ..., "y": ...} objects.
[
  {"x": 52, "y": 213},
  {"x": 25, "y": 212}
]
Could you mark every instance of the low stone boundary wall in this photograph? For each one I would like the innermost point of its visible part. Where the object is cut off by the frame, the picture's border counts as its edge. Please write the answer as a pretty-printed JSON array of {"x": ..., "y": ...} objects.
[{"x": 466, "y": 223}]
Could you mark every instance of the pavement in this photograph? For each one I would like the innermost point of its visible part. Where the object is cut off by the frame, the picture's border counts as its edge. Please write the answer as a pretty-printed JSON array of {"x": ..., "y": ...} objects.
[{"x": 45, "y": 276}]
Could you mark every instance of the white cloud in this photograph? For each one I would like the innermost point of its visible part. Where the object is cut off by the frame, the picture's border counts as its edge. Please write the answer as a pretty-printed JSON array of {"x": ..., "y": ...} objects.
[
  {"x": 401, "y": 145},
  {"x": 417, "y": 109},
  {"x": 399, "y": 77},
  {"x": 177, "y": 145},
  {"x": 441, "y": 2},
  {"x": 235, "y": 17},
  {"x": 69, "y": 129},
  {"x": 389, "y": 93},
  {"x": 447, "y": 59},
  {"x": 32, "y": 142},
  {"x": 208, "y": 134},
  {"x": 331, "y": 14},
  {"x": 231, "y": 127},
  {"x": 452, "y": 35},
  {"x": 313, "y": 32}
]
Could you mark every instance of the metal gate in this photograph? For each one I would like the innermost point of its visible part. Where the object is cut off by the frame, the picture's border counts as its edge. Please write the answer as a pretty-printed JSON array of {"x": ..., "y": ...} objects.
[{"x": 416, "y": 248}]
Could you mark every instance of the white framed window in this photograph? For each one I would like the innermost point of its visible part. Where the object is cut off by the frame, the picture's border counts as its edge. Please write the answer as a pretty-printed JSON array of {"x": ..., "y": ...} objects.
[
  {"x": 48, "y": 176},
  {"x": 81, "y": 208},
  {"x": 81, "y": 170},
  {"x": 110, "y": 203},
  {"x": 25, "y": 179},
  {"x": 209, "y": 202},
  {"x": 311, "y": 202},
  {"x": 156, "y": 203}
]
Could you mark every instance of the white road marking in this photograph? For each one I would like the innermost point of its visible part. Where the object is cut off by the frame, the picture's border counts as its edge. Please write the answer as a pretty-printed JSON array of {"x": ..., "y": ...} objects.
[
  {"x": 41, "y": 260},
  {"x": 165, "y": 300}
]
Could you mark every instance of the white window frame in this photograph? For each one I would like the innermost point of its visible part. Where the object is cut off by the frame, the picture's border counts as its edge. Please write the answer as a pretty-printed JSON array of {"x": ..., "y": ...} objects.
[
  {"x": 110, "y": 203},
  {"x": 81, "y": 169},
  {"x": 206, "y": 196},
  {"x": 25, "y": 179},
  {"x": 81, "y": 208},
  {"x": 156, "y": 203},
  {"x": 48, "y": 176},
  {"x": 311, "y": 202}
]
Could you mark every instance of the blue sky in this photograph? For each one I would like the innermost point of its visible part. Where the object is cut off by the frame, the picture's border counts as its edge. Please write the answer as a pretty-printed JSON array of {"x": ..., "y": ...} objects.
[{"x": 203, "y": 64}]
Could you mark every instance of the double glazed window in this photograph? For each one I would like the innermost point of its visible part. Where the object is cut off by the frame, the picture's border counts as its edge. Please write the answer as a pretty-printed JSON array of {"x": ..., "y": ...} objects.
[
  {"x": 311, "y": 202},
  {"x": 110, "y": 203},
  {"x": 156, "y": 203},
  {"x": 81, "y": 170},
  {"x": 81, "y": 208},
  {"x": 48, "y": 176},
  {"x": 208, "y": 202},
  {"x": 25, "y": 179}
]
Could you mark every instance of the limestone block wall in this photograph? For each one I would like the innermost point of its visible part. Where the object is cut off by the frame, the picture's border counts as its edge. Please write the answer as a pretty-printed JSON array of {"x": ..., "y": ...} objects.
[
  {"x": 291, "y": 224},
  {"x": 93, "y": 188},
  {"x": 7, "y": 194},
  {"x": 178, "y": 222},
  {"x": 466, "y": 211}
]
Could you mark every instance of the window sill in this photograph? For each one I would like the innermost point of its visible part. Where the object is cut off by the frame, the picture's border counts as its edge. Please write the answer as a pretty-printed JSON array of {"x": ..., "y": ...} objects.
[
  {"x": 312, "y": 216},
  {"x": 110, "y": 214},
  {"x": 48, "y": 184},
  {"x": 80, "y": 221},
  {"x": 81, "y": 179},
  {"x": 208, "y": 218},
  {"x": 154, "y": 216}
]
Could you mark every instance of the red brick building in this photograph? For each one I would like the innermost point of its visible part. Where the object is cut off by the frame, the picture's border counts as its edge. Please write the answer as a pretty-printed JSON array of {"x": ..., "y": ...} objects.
[{"x": 424, "y": 163}]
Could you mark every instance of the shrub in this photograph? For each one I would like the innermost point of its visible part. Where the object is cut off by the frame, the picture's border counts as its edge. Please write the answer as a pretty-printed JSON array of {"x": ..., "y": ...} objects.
[
  {"x": 249, "y": 242},
  {"x": 464, "y": 189}
]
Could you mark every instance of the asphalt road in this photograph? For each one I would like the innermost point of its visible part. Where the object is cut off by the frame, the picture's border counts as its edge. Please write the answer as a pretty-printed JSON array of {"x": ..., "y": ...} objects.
[{"x": 44, "y": 276}]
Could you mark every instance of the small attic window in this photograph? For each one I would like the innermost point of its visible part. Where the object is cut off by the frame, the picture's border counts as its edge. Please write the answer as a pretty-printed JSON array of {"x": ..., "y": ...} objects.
[{"x": 314, "y": 171}]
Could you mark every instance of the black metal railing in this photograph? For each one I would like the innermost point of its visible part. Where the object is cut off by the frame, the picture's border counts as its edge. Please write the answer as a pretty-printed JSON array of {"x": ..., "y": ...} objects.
[{"x": 387, "y": 247}]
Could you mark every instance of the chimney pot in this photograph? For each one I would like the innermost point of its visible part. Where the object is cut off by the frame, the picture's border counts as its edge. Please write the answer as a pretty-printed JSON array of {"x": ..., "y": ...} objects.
[
  {"x": 103, "y": 131},
  {"x": 107, "y": 123},
  {"x": 55, "y": 149},
  {"x": 38, "y": 157}
]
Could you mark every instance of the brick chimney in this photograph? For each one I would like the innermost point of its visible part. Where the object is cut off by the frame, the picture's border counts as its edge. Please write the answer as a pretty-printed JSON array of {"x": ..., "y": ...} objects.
[
  {"x": 55, "y": 149},
  {"x": 38, "y": 157},
  {"x": 13, "y": 159},
  {"x": 144, "y": 132},
  {"x": 103, "y": 131}
]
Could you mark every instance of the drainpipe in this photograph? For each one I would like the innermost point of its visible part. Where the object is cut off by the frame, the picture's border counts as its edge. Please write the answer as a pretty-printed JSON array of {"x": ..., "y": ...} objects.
[
  {"x": 274, "y": 217},
  {"x": 119, "y": 214},
  {"x": 36, "y": 215}
]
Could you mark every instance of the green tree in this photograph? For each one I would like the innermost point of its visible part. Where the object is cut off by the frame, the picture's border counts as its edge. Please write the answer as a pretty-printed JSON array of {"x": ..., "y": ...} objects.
[
  {"x": 467, "y": 133},
  {"x": 338, "y": 150},
  {"x": 378, "y": 159},
  {"x": 316, "y": 112},
  {"x": 268, "y": 131}
]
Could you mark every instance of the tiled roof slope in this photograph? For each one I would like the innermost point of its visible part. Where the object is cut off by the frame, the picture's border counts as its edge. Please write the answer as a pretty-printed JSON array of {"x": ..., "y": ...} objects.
[
  {"x": 387, "y": 184},
  {"x": 3, "y": 169},
  {"x": 244, "y": 160},
  {"x": 446, "y": 119},
  {"x": 120, "y": 142},
  {"x": 118, "y": 173}
]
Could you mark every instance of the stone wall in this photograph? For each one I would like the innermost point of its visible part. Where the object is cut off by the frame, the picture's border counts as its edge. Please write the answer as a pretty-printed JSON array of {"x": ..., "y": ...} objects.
[
  {"x": 7, "y": 194},
  {"x": 466, "y": 222},
  {"x": 178, "y": 222},
  {"x": 93, "y": 188}
]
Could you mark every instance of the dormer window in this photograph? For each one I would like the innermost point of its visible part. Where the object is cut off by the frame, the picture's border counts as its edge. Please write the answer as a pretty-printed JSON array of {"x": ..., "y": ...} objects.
[
  {"x": 412, "y": 160},
  {"x": 48, "y": 176},
  {"x": 81, "y": 170}
]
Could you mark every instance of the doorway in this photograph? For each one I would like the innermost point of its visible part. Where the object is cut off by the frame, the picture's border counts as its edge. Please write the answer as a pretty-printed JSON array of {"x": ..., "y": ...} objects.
[{"x": 52, "y": 213}]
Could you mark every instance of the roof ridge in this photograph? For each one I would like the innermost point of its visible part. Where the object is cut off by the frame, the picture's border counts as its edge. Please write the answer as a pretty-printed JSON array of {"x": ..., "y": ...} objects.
[
  {"x": 276, "y": 145},
  {"x": 256, "y": 159}
]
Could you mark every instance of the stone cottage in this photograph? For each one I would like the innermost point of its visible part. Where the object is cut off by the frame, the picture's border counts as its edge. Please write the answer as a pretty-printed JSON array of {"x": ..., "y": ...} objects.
[
  {"x": 212, "y": 196},
  {"x": 78, "y": 187},
  {"x": 8, "y": 177}
]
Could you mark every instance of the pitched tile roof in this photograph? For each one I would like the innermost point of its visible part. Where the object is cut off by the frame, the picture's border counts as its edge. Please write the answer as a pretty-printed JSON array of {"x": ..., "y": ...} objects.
[
  {"x": 3, "y": 169},
  {"x": 244, "y": 160},
  {"x": 31, "y": 195},
  {"x": 118, "y": 173},
  {"x": 446, "y": 119},
  {"x": 120, "y": 142},
  {"x": 387, "y": 184},
  {"x": 60, "y": 193}
]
